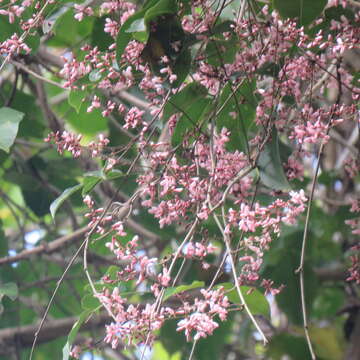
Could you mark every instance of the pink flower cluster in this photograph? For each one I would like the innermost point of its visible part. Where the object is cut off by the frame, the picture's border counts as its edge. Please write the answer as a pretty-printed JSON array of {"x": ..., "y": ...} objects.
[
  {"x": 82, "y": 11},
  {"x": 266, "y": 221},
  {"x": 96, "y": 148},
  {"x": 138, "y": 265},
  {"x": 74, "y": 70},
  {"x": 14, "y": 45},
  {"x": 132, "y": 323},
  {"x": 198, "y": 250},
  {"x": 133, "y": 118},
  {"x": 135, "y": 324},
  {"x": 66, "y": 141},
  {"x": 187, "y": 184},
  {"x": 71, "y": 142},
  {"x": 354, "y": 269},
  {"x": 355, "y": 222},
  {"x": 200, "y": 322},
  {"x": 96, "y": 216},
  {"x": 185, "y": 189}
]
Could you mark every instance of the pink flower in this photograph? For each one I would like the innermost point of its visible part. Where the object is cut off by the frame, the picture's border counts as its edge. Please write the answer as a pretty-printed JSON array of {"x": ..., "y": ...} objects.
[
  {"x": 66, "y": 141},
  {"x": 133, "y": 118},
  {"x": 202, "y": 324}
]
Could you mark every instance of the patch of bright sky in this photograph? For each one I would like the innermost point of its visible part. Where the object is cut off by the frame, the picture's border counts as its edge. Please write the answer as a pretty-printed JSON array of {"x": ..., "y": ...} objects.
[
  {"x": 140, "y": 350},
  {"x": 33, "y": 237},
  {"x": 90, "y": 356}
]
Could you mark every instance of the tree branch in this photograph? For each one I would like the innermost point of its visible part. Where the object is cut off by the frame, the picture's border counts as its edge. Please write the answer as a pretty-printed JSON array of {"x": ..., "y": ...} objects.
[
  {"x": 45, "y": 247},
  {"x": 23, "y": 335}
]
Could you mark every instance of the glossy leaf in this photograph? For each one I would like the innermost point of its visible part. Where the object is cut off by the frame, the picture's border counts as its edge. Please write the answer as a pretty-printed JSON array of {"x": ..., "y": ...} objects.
[
  {"x": 113, "y": 174},
  {"x": 237, "y": 113},
  {"x": 9, "y": 125},
  {"x": 287, "y": 345},
  {"x": 76, "y": 98},
  {"x": 326, "y": 342},
  {"x": 162, "y": 7},
  {"x": 182, "y": 67},
  {"x": 100, "y": 38},
  {"x": 74, "y": 331},
  {"x": 171, "y": 291},
  {"x": 90, "y": 302},
  {"x": 270, "y": 165},
  {"x": 137, "y": 26},
  {"x": 10, "y": 290},
  {"x": 91, "y": 179},
  {"x": 64, "y": 196},
  {"x": 89, "y": 183},
  {"x": 190, "y": 121},
  {"x": 32, "y": 124},
  {"x": 255, "y": 300},
  {"x": 183, "y": 99},
  {"x": 304, "y": 10},
  {"x": 68, "y": 30},
  {"x": 87, "y": 123},
  {"x": 286, "y": 257},
  {"x": 124, "y": 36}
]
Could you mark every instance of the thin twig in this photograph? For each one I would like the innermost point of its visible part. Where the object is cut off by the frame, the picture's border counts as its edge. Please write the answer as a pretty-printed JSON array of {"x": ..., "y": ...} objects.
[
  {"x": 236, "y": 280},
  {"x": 53, "y": 297},
  {"x": 26, "y": 33},
  {"x": 35, "y": 74},
  {"x": 354, "y": 3},
  {"x": 300, "y": 269}
]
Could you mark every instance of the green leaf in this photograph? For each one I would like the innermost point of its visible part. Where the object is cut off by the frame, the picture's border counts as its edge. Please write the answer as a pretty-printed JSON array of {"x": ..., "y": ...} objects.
[
  {"x": 159, "y": 352},
  {"x": 113, "y": 174},
  {"x": 326, "y": 342},
  {"x": 285, "y": 257},
  {"x": 137, "y": 26},
  {"x": 182, "y": 67},
  {"x": 95, "y": 173},
  {"x": 76, "y": 99},
  {"x": 32, "y": 123},
  {"x": 304, "y": 10},
  {"x": 171, "y": 291},
  {"x": 255, "y": 300},
  {"x": 91, "y": 179},
  {"x": 74, "y": 331},
  {"x": 9, "y": 125},
  {"x": 52, "y": 19},
  {"x": 270, "y": 165},
  {"x": 68, "y": 30},
  {"x": 184, "y": 99},
  {"x": 162, "y": 7},
  {"x": 100, "y": 38},
  {"x": 10, "y": 290},
  {"x": 285, "y": 344},
  {"x": 244, "y": 106},
  {"x": 124, "y": 36},
  {"x": 219, "y": 52},
  {"x": 84, "y": 122},
  {"x": 64, "y": 196},
  {"x": 90, "y": 302},
  {"x": 189, "y": 121},
  {"x": 94, "y": 76},
  {"x": 89, "y": 183}
]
